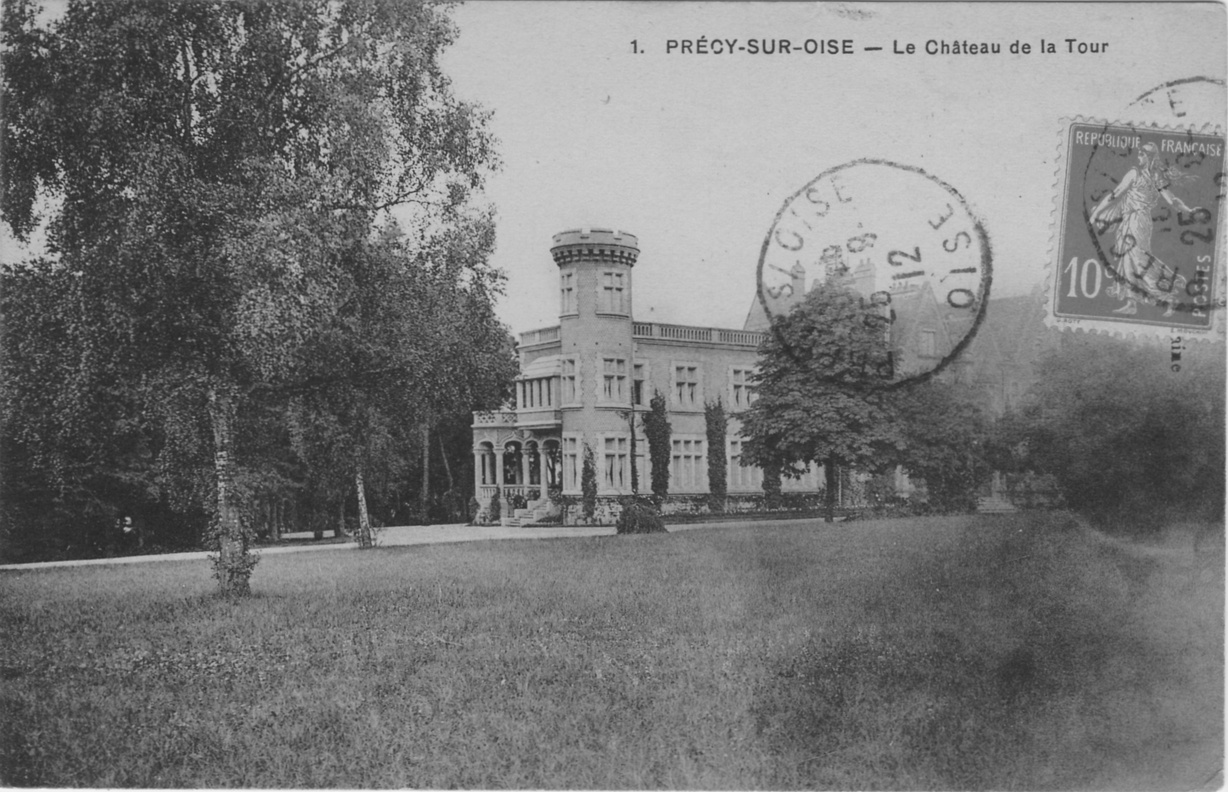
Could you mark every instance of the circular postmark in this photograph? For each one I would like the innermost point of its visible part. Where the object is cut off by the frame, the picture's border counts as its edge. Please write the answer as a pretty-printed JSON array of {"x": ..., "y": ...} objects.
[
  {"x": 1148, "y": 199},
  {"x": 1187, "y": 101},
  {"x": 903, "y": 240}
]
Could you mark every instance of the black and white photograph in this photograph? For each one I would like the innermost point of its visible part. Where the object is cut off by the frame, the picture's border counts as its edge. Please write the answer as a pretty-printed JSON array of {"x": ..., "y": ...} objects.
[{"x": 612, "y": 395}]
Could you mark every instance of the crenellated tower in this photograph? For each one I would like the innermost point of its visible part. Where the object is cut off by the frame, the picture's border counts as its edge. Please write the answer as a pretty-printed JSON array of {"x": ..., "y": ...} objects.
[{"x": 595, "y": 326}]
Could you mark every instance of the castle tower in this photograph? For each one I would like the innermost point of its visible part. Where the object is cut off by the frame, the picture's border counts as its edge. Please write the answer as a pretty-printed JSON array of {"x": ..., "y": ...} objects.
[{"x": 595, "y": 329}]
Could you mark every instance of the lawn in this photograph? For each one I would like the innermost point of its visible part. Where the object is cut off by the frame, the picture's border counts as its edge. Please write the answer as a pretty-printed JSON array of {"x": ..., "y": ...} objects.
[{"x": 941, "y": 653}]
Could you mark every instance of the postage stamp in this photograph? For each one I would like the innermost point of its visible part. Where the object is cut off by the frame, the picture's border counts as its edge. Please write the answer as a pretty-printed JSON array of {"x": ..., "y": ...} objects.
[
  {"x": 900, "y": 237},
  {"x": 1138, "y": 238}
]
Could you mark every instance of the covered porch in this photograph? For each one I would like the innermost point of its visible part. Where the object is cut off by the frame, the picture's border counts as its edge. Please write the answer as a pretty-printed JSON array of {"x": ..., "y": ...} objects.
[{"x": 523, "y": 469}]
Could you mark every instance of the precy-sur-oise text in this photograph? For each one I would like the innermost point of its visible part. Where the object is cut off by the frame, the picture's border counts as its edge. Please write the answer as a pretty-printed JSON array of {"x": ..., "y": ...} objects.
[{"x": 723, "y": 45}]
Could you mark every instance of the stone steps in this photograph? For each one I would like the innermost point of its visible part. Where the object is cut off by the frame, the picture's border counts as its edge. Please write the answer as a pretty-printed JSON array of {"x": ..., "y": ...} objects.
[{"x": 529, "y": 516}]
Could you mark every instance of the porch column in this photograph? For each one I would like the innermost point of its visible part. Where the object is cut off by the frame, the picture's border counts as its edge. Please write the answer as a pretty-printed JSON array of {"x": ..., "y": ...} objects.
[
  {"x": 478, "y": 464},
  {"x": 541, "y": 469},
  {"x": 499, "y": 466},
  {"x": 524, "y": 464}
]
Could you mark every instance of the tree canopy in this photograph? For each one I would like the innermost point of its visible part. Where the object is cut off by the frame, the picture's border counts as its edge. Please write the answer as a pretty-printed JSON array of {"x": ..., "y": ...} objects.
[
  {"x": 1130, "y": 441},
  {"x": 818, "y": 395},
  {"x": 214, "y": 181}
]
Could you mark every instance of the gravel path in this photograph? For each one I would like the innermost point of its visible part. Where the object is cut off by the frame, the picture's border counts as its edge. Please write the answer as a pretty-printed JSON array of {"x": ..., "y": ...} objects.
[{"x": 391, "y": 536}]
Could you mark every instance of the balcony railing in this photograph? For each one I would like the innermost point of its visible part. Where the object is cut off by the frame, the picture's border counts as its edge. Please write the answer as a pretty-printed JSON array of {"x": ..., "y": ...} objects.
[
  {"x": 539, "y": 336},
  {"x": 703, "y": 335},
  {"x": 495, "y": 418}
]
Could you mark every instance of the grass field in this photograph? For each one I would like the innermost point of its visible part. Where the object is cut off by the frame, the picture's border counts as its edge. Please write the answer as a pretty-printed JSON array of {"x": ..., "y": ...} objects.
[{"x": 954, "y": 653}]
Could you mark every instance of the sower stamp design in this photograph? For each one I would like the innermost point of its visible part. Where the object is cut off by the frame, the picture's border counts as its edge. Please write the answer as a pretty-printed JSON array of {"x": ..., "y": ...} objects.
[
  {"x": 898, "y": 236},
  {"x": 1139, "y": 241}
]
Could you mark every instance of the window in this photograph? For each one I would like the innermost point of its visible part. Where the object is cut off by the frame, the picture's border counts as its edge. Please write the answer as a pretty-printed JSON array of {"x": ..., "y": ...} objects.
[
  {"x": 688, "y": 466},
  {"x": 742, "y": 391},
  {"x": 615, "y": 469},
  {"x": 928, "y": 346},
  {"x": 613, "y": 295},
  {"x": 615, "y": 378},
  {"x": 741, "y": 477},
  {"x": 570, "y": 381},
  {"x": 571, "y": 464},
  {"x": 567, "y": 303},
  {"x": 638, "y": 395},
  {"x": 643, "y": 468},
  {"x": 686, "y": 385},
  {"x": 535, "y": 393}
]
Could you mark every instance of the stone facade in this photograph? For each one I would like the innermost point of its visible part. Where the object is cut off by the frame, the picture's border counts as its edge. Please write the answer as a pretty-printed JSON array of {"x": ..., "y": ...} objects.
[{"x": 581, "y": 379}]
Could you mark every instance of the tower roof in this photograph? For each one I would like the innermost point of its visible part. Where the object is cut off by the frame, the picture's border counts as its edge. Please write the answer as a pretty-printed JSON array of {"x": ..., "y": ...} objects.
[{"x": 602, "y": 244}]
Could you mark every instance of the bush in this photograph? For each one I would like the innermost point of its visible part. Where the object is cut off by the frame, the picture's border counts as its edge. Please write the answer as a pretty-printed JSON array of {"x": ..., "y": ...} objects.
[{"x": 639, "y": 516}]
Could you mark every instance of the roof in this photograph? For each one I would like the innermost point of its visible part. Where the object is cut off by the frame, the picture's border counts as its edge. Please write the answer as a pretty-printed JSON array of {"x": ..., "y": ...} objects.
[{"x": 545, "y": 366}]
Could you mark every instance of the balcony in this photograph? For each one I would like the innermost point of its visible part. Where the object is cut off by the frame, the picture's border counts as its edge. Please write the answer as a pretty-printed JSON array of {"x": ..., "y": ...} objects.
[
  {"x": 696, "y": 335},
  {"x": 542, "y": 335},
  {"x": 494, "y": 418},
  {"x": 539, "y": 417}
]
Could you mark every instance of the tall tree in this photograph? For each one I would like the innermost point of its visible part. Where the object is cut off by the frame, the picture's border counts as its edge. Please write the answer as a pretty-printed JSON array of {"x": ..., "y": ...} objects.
[
  {"x": 717, "y": 426},
  {"x": 212, "y": 175},
  {"x": 819, "y": 400},
  {"x": 657, "y": 430}
]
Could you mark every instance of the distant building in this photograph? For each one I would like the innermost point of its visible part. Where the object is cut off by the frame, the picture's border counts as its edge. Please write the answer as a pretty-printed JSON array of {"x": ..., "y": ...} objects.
[{"x": 1000, "y": 363}]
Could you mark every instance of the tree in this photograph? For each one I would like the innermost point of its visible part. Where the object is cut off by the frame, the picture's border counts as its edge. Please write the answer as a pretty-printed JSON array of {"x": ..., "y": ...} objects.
[
  {"x": 945, "y": 442},
  {"x": 717, "y": 425},
  {"x": 588, "y": 483},
  {"x": 1131, "y": 442},
  {"x": 416, "y": 339},
  {"x": 214, "y": 174},
  {"x": 771, "y": 484},
  {"x": 657, "y": 430},
  {"x": 819, "y": 400}
]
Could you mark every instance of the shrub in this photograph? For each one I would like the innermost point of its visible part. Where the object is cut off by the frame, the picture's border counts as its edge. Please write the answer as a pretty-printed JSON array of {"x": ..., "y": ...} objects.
[{"x": 639, "y": 516}]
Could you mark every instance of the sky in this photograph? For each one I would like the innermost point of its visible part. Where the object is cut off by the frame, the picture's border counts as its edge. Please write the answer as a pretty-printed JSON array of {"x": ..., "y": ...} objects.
[
  {"x": 696, "y": 153},
  {"x": 601, "y": 125}
]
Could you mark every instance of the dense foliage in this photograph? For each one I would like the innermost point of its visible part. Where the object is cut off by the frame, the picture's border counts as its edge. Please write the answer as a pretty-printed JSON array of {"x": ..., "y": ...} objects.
[
  {"x": 943, "y": 436},
  {"x": 227, "y": 316},
  {"x": 1130, "y": 441},
  {"x": 818, "y": 399}
]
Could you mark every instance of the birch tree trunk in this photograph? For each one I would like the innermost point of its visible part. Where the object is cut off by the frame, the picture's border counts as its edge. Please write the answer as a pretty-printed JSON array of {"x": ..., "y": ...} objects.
[
  {"x": 365, "y": 539},
  {"x": 425, "y": 495},
  {"x": 233, "y": 565}
]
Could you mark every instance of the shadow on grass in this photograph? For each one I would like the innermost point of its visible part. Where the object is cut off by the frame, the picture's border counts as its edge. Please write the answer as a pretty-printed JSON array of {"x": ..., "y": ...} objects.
[{"x": 1029, "y": 658}]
